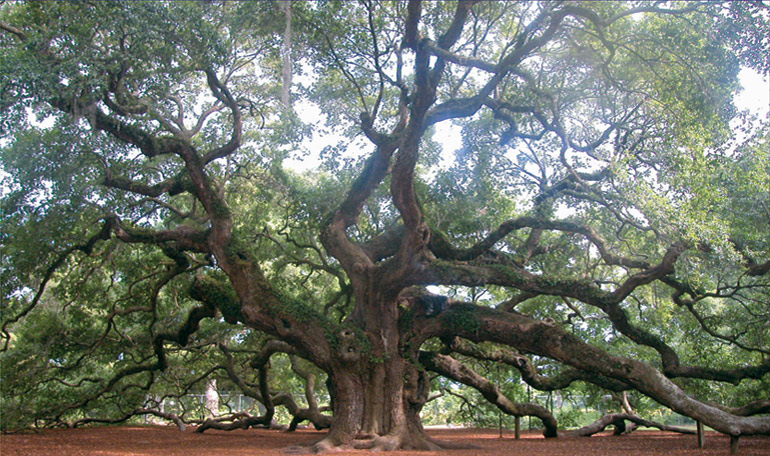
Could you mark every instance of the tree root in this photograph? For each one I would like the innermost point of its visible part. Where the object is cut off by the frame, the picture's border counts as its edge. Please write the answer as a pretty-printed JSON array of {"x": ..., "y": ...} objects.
[{"x": 389, "y": 442}]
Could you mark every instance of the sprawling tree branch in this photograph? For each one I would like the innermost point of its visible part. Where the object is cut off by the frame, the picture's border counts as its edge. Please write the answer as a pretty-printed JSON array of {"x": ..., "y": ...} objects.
[
  {"x": 528, "y": 371},
  {"x": 618, "y": 420},
  {"x": 549, "y": 340},
  {"x": 454, "y": 369}
]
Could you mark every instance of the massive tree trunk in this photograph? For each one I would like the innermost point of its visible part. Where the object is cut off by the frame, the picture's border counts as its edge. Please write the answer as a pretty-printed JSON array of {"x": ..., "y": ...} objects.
[
  {"x": 378, "y": 408},
  {"x": 377, "y": 393}
]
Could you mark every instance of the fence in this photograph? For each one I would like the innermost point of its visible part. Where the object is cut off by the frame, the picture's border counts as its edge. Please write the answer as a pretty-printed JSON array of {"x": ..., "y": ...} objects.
[
  {"x": 195, "y": 405},
  {"x": 571, "y": 410}
]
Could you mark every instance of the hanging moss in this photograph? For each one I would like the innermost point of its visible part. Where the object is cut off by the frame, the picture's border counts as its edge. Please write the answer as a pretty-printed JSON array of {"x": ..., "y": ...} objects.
[
  {"x": 510, "y": 274},
  {"x": 298, "y": 310},
  {"x": 220, "y": 209},
  {"x": 406, "y": 320},
  {"x": 139, "y": 232},
  {"x": 366, "y": 345},
  {"x": 212, "y": 291},
  {"x": 331, "y": 335},
  {"x": 378, "y": 360},
  {"x": 237, "y": 250},
  {"x": 184, "y": 184},
  {"x": 443, "y": 265},
  {"x": 462, "y": 318}
]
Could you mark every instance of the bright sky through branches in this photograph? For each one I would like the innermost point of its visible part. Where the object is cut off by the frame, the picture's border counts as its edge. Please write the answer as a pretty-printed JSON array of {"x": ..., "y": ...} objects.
[
  {"x": 754, "y": 97},
  {"x": 756, "y": 93}
]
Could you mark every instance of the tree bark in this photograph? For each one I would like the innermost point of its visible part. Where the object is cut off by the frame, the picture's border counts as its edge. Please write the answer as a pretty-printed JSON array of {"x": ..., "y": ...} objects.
[
  {"x": 377, "y": 388},
  {"x": 379, "y": 409}
]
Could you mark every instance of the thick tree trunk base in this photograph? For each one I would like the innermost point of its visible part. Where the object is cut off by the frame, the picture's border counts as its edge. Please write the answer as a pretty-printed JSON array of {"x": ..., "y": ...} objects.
[{"x": 391, "y": 442}]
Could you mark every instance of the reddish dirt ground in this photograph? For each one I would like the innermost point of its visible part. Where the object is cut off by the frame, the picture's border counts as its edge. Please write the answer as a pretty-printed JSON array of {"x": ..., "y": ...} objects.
[{"x": 169, "y": 441}]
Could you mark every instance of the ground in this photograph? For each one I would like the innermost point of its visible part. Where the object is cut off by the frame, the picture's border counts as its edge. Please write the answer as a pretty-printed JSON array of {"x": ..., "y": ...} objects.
[{"x": 169, "y": 441}]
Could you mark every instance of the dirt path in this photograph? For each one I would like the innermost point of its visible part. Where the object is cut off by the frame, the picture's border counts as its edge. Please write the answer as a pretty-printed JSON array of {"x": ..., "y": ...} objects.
[{"x": 168, "y": 441}]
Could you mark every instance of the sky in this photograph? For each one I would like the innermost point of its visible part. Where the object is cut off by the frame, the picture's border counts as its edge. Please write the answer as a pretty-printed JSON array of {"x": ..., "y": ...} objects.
[{"x": 756, "y": 92}]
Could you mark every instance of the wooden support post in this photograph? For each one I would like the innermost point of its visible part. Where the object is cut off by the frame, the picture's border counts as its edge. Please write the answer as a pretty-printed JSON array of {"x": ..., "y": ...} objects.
[
  {"x": 518, "y": 427},
  {"x": 733, "y": 444},
  {"x": 701, "y": 435}
]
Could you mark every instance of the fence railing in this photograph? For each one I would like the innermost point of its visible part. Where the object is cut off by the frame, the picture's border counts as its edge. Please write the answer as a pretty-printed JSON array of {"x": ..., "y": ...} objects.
[{"x": 571, "y": 410}]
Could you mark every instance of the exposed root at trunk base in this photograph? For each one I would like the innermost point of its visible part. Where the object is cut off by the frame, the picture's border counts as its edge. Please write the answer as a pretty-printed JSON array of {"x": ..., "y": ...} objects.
[
  {"x": 452, "y": 445},
  {"x": 390, "y": 442}
]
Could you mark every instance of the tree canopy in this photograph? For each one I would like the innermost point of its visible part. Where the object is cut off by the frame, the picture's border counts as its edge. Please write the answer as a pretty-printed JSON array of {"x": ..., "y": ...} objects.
[{"x": 192, "y": 187}]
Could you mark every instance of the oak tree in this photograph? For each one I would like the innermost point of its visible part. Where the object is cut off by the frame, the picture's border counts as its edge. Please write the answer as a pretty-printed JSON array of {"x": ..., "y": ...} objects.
[{"x": 598, "y": 218}]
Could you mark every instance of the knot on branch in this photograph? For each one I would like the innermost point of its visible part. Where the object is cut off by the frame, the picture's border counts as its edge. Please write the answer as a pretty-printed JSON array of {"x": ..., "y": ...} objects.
[
  {"x": 359, "y": 268},
  {"x": 348, "y": 350},
  {"x": 422, "y": 302},
  {"x": 424, "y": 232}
]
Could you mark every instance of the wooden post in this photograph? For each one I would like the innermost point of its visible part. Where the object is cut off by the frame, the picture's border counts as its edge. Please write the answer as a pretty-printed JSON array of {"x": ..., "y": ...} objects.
[
  {"x": 499, "y": 412},
  {"x": 518, "y": 427},
  {"x": 733, "y": 444},
  {"x": 701, "y": 435}
]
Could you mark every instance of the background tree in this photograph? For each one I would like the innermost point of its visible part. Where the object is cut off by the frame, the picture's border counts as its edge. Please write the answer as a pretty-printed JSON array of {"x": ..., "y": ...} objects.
[{"x": 598, "y": 224}]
